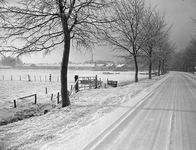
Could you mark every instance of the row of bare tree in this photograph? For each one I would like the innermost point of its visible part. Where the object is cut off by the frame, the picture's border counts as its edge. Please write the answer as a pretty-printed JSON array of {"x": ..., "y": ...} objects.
[
  {"x": 132, "y": 27},
  {"x": 138, "y": 31},
  {"x": 185, "y": 60}
]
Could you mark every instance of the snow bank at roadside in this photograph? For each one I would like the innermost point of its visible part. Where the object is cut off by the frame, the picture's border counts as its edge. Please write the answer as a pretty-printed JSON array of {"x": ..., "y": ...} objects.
[{"x": 86, "y": 107}]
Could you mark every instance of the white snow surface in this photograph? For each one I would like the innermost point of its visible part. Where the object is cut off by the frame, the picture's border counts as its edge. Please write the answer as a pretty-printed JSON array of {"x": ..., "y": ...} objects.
[
  {"x": 73, "y": 127},
  {"x": 11, "y": 90}
]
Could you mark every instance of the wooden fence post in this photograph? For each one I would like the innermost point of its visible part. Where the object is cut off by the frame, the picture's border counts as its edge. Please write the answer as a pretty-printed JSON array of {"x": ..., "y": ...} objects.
[
  {"x": 51, "y": 97},
  {"x": 45, "y": 78},
  {"x": 96, "y": 82},
  {"x": 14, "y": 103},
  {"x": 76, "y": 86},
  {"x": 20, "y": 77},
  {"x": 50, "y": 77},
  {"x": 46, "y": 90},
  {"x": 35, "y": 78},
  {"x": 11, "y": 77},
  {"x": 29, "y": 78},
  {"x": 58, "y": 79},
  {"x": 58, "y": 98},
  {"x": 40, "y": 78},
  {"x": 3, "y": 77},
  {"x": 35, "y": 98}
]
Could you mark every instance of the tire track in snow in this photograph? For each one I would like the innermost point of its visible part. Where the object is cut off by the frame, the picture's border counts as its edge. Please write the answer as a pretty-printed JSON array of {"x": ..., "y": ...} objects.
[
  {"x": 171, "y": 126},
  {"x": 171, "y": 130}
]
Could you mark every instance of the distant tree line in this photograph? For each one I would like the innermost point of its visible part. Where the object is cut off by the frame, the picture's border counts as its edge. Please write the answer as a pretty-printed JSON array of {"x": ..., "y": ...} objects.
[
  {"x": 185, "y": 60},
  {"x": 10, "y": 61}
]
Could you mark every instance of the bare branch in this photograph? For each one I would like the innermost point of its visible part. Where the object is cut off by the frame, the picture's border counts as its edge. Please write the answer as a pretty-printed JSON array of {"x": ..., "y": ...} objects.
[{"x": 42, "y": 25}]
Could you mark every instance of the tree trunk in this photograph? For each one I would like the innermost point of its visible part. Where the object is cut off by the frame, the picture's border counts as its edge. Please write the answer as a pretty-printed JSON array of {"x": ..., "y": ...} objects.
[
  {"x": 150, "y": 64},
  {"x": 150, "y": 69},
  {"x": 65, "y": 59},
  {"x": 136, "y": 68},
  {"x": 159, "y": 68},
  {"x": 64, "y": 68},
  {"x": 163, "y": 67}
]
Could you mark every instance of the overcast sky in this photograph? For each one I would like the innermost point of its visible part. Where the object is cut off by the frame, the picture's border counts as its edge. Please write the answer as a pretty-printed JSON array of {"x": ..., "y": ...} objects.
[{"x": 178, "y": 13}]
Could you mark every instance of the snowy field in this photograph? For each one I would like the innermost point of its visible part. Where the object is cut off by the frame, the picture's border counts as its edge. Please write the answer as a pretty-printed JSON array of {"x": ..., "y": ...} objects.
[
  {"x": 12, "y": 88},
  {"x": 16, "y": 88},
  {"x": 43, "y": 75},
  {"x": 14, "y": 84},
  {"x": 61, "y": 126}
]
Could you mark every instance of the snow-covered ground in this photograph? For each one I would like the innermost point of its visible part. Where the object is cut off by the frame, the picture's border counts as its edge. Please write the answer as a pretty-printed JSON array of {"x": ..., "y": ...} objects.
[
  {"x": 11, "y": 90},
  {"x": 43, "y": 75},
  {"x": 61, "y": 125}
]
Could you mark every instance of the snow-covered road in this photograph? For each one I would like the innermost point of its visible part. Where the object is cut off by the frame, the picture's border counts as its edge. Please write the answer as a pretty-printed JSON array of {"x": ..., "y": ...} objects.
[
  {"x": 93, "y": 132},
  {"x": 165, "y": 120}
]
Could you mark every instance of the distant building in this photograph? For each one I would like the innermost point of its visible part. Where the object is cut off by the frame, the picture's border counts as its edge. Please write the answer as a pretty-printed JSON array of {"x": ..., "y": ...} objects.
[
  {"x": 25, "y": 66},
  {"x": 81, "y": 66},
  {"x": 76, "y": 66},
  {"x": 122, "y": 67},
  {"x": 110, "y": 66},
  {"x": 99, "y": 67},
  {"x": 38, "y": 66},
  {"x": 5, "y": 67},
  {"x": 48, "y": 66}
]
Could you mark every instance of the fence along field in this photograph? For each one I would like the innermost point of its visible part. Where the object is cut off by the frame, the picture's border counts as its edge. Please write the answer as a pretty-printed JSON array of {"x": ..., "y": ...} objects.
[
  {"x": 81, "y": 83},
  {"x": 15, "y": 83}
]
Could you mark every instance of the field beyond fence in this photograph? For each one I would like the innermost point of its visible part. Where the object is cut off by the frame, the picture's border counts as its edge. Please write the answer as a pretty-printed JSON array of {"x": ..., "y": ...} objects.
[{"x": 15, "y": 83}]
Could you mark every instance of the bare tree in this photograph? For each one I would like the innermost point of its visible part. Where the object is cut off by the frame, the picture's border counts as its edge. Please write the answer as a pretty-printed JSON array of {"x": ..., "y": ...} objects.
[
  {"x": 190, "y": 55},
  {"x": 125, "y": 33},
  {"x": 181, "y": 61},
  {"x": 43, "y": 25},
  {"x": 156, "y": 29},
  {"x": 185, "y": 59},
  {"x": 164, "y": 53}
]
